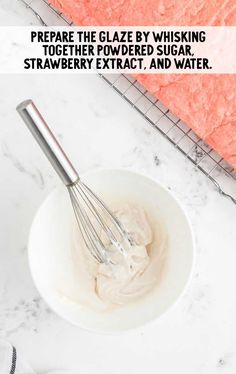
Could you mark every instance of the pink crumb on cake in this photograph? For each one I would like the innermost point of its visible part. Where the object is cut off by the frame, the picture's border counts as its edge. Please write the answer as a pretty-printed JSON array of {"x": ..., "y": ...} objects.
[{"x": 207, "y": 103}]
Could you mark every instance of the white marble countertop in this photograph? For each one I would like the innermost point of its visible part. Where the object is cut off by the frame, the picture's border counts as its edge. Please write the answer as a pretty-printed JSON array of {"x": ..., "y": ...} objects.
[{"x": 100, "y": 129}]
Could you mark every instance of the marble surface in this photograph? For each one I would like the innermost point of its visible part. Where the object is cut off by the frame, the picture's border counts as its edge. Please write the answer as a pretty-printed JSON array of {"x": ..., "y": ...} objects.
[{"x": 101, "y": 130}]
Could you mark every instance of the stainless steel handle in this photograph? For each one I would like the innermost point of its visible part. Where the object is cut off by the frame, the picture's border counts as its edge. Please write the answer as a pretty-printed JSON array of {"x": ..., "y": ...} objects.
[{"x": 47, "y": 141}]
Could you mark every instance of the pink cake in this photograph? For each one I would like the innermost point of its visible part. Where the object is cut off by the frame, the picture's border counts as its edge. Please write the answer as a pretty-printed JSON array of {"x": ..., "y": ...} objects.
[{"x": 207, "y": 103}]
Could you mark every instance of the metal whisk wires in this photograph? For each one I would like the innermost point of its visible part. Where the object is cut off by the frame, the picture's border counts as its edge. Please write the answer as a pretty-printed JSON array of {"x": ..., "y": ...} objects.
[{"x": 98, "y": 225}]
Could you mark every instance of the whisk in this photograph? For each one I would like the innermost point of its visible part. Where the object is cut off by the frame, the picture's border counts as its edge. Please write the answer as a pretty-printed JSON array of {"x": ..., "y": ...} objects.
[{"x": 99, "y": 227}]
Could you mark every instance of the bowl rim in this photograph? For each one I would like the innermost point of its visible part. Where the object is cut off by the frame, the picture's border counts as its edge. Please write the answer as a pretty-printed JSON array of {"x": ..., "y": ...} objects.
[{"x": 152, "y": 320}]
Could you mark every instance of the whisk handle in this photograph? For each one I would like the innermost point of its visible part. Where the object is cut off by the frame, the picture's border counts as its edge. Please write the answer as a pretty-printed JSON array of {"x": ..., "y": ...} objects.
[{"x": 47, "y": 141}]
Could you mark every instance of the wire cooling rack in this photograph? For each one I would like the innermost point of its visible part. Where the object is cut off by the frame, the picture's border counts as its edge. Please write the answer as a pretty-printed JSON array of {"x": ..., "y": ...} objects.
[{"x": 202, "y": 156}]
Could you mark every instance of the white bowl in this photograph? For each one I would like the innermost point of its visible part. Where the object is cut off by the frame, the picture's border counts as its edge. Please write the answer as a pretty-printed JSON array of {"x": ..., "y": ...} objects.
[{"x": 45, "y": 258}]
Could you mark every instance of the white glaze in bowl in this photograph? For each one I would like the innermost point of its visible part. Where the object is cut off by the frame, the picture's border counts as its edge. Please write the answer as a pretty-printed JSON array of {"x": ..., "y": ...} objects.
[{"x": 44, "y": 257}]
